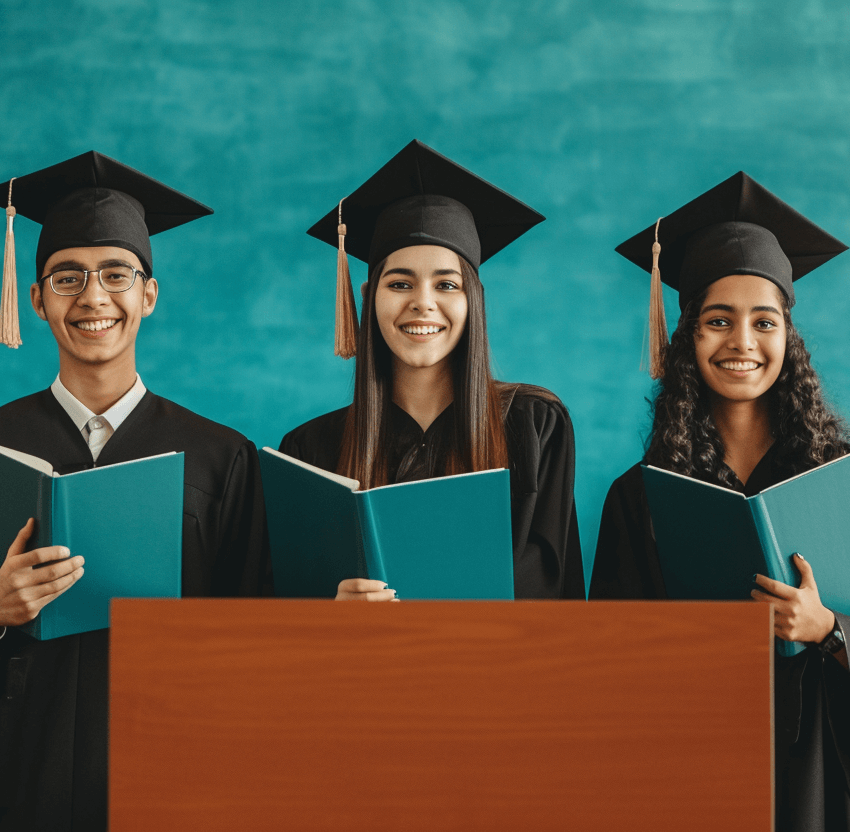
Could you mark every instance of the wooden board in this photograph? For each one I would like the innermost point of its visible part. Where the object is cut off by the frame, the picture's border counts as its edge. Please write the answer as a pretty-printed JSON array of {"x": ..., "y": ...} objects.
[{"x": 273, "y": 714}]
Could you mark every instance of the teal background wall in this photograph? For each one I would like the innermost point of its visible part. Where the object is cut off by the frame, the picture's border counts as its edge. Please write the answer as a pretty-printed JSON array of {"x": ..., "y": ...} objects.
[{"x": 602, "y": 114}]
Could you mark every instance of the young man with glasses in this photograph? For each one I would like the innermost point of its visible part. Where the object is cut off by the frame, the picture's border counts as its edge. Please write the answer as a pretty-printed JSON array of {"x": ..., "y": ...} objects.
[{"x": 94, "y": 285}]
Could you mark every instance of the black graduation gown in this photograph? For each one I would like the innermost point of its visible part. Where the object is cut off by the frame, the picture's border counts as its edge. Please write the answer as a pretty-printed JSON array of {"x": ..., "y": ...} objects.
[
  {"x": 547, "y": 553},
  {"x": 53, "y": 717},
  {"x": 812, "y": 692}
]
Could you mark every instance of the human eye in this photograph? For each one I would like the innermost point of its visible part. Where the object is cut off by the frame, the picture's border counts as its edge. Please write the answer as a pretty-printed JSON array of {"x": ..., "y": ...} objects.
[
  {"x": 398, "y": 284},
  {"x": 716, "y": 323},
  {"x": 117, "y": 277},
  {"x": 448, "y": 286},
  {"x": 67, "y": 279},
  {"x": 766, "y": 325}
]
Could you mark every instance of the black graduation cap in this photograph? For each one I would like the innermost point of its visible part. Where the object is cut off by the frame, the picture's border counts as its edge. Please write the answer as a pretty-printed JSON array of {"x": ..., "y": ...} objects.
[
  {"x": 737, "y": 227},
  {"x": 419, "y": 197},
  {"x": 90, "y": 200}
]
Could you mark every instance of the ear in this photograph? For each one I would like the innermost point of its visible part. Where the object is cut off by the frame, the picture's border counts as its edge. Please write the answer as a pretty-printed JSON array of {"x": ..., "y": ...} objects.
[
  {"x": 36, "y": 301},
  {"x": 151, "y": 294},
  {"x": 363, "y": 287}
]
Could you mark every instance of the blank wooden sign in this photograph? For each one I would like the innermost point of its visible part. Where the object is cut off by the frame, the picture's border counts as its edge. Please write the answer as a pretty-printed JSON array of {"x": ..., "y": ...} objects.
[{"x": 315, "y": 715}]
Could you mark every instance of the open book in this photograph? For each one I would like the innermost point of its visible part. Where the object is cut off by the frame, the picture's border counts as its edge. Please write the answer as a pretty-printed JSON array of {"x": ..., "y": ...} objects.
[
  {"x": 442, "y": 538},
  {"x": 126, "y": 520},
  {"x": 712, "y": 540}
]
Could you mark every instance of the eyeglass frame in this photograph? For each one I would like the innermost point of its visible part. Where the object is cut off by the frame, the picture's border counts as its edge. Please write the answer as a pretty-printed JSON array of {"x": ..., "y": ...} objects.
[{"x": 86, "y": 273}]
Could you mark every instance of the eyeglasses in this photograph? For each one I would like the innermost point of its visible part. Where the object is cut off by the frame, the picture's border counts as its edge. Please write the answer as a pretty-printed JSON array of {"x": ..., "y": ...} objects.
[{"x": 114, "y": 279}]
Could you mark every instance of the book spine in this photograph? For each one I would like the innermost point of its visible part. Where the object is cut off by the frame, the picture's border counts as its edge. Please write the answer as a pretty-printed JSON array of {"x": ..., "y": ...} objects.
[
  {"x": 778, "y": 567},
  {"x": 371, "y": 541}
]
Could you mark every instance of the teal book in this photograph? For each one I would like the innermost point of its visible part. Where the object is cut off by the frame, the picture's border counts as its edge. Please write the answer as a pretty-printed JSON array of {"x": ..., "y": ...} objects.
[
  {"x": 443, "y": 538},
  {"x": 126, "y": 520},
  {"x": 712, "y": 540}
]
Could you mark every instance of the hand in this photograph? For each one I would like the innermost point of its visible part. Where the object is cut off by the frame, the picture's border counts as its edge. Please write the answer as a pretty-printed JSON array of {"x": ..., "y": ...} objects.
[
  {"x": 798, "y": 613},
  {"x": 360, "y": 589},
  {"x": 24, "y": 590}
]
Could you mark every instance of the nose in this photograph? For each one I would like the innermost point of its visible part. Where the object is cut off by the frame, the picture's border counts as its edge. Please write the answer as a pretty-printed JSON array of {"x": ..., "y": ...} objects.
[
  {"x": 423, "y": 298},
  {"x": 742, "y": 338},
  {"x": 94, "y": 294}
]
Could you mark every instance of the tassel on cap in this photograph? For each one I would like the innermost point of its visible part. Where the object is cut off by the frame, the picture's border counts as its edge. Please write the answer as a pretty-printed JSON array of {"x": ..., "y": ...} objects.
[
  {"x": 10, "y": 330},
  {"x": 658, "y": 340},
  {"x": 345, "y": 338}
]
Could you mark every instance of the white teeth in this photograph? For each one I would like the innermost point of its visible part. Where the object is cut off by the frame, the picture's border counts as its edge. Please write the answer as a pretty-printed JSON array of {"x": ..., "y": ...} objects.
[
  {"x": 739, "y": 365},
  {"x": 95, "y": 326},
  {"x": 422, "y": 330}
]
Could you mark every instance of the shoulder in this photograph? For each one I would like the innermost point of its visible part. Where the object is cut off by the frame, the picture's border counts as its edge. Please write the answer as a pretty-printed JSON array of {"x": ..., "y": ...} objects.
[
  {"x": 532, "y": 407},
  {"x": 318, "y": 441},
  {"x": 27, "y": 407},
  {"x": 191, "y": 427}
]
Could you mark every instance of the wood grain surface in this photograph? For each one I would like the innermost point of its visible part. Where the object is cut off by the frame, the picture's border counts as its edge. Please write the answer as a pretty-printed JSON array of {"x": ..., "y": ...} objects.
[{"x": 273, "y": 714}]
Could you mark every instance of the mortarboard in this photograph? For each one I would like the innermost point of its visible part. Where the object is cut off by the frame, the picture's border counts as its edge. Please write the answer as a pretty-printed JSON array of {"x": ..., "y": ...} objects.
[
  {"x": 737, "y": 227},
  {"x": 419, "y": 197},
  {"x": 90, "y": 200}
]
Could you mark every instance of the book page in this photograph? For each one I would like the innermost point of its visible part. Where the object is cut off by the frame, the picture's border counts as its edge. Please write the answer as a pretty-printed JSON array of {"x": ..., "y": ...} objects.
[
  {"x": 354, "y": 485},
  {"x": 450, "y": 477},
  {"x": 31, "y": 461}
]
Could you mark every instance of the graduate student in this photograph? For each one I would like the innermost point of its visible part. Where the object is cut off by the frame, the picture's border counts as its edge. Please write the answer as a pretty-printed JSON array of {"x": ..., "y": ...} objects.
[
  {"x": 738, "y": 404},
  {"x": 94, "y": 285},
  {"x": 425, "y": 404}
]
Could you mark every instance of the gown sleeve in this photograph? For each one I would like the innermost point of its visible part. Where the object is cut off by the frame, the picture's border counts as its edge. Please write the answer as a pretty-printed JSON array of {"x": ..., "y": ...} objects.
[
  {"x": 547, "y": 551},
  {"x": 626, "y": 564},
  {"x": 243, "y": 564}
]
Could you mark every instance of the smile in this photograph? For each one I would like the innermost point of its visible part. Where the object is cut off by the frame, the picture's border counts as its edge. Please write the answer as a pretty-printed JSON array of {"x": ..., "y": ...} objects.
[
  {"x": 95, "y": 326},
  {"x": 739, "y": 366},
  {"x": 421, "y": 330}
]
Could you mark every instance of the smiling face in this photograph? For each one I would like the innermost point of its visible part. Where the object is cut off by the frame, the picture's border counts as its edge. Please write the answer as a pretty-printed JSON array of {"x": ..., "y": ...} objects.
[
  {"x": 96, "y": 327},
  {"x": 740, "y": 337},
  {"x": 421, "y": 305}
]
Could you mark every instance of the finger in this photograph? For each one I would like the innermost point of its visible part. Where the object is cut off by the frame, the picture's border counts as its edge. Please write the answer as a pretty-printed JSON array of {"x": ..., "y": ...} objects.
[
  {"x": 776, "y": 588},
  {"x": 807, "y": 577},
  {"x": 382, "y": 595},
  {"x": 44, "y": 555},
  {"x": 360, "y": 585},
  {"x": 763, "y": 596},
  {"x": 47, "y": 592},
  {"x": 56, "y": 570},
  {"x": 19, "y": 543}
]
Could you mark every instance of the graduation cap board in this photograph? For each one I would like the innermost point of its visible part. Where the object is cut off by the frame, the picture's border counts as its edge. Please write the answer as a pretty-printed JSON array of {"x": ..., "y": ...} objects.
[
  {"x": 419, "y": 197},
  {"x": 90, "y": 200},
  {"x": 737, "y": 227}
]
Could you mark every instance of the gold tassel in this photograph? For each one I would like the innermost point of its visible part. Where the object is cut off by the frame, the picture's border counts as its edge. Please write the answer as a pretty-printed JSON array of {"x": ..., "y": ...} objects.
[
  {"x": 658, "y": 340},
  {"x": 345, "y": 338},
  {"x": 10, "y": 330}
]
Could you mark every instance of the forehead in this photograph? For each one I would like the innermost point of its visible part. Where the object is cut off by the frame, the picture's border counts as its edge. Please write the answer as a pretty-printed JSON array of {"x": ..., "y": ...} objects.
[
  {"x": 423, "y": 259},
  {"x": 743, "y": 291},
  {"x": 91, "y": 257}
]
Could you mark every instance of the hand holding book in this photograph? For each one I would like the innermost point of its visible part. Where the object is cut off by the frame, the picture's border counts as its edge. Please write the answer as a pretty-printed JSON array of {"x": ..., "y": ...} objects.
[
  {"x": 798, "y": 614},
  {"x": 25, "y": 586},
  {"x": 362, "y": 589}
]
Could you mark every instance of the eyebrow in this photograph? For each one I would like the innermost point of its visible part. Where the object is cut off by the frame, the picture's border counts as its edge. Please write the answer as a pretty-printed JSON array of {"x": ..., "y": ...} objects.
[
  {"x": 725, "y": 307},
  {"x": 412, "y": 273},
  {"x": 75, "y": 264}
]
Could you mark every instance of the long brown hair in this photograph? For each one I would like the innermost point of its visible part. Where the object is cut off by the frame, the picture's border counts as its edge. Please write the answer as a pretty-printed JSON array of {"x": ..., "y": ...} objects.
[
  {"x": 685, "y": 439},
  {"x": 478, "y": 437}
]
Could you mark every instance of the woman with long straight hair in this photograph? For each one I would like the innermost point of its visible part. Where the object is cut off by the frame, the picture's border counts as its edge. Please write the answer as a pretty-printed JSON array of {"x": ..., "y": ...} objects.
[
  {"x": 425, "y": 402},
  {"x": 739, "y": 405}
]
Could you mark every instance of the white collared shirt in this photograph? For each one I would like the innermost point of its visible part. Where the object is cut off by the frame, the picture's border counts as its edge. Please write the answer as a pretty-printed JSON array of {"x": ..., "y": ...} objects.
[{"x": 96, "y": 429}]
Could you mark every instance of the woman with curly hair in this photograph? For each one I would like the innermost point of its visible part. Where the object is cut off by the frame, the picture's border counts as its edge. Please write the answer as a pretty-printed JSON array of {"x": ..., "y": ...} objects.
[
  {"x": 739, "y": 405},
  {"x": 425, "y": 403}
]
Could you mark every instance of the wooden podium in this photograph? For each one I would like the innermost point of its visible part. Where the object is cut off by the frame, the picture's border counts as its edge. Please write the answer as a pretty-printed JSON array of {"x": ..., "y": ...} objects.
[{"x": 316, "y": 715}]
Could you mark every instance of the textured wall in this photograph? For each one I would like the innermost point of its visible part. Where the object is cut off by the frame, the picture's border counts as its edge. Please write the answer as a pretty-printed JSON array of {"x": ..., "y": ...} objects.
[{"x": 601, "y": 114}]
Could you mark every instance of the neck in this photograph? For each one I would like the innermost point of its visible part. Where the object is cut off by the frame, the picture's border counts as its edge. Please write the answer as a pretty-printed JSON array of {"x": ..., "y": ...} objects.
[
  {"x": 744, "y": 428},
  {"x": 98, "y": 387},
  {"x": 422, "y": 392}
]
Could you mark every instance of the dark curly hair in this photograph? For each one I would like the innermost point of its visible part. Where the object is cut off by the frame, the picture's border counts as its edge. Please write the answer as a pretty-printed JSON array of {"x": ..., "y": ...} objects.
[{"x": 685, "y": 439}]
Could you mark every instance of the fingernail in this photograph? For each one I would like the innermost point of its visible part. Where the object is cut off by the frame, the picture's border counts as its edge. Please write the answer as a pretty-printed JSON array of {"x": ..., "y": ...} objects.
[
  {"x": 386, "y": 586},
  {"x": 64, "y": 551},
  {"x": 798, "y": 555},
  {"x": 753, "y": 579}
]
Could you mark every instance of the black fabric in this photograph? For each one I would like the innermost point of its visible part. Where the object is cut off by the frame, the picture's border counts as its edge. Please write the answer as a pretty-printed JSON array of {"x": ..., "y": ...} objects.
[
  {"x": 547, "y": 553},
  {"x": 53, "y": 716},
  {"x": 92, "y": 200},
  {"x": 404, "y": 204},
  {"x": 736, "y": 227},
  {"x": 812, "y": 692}
]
